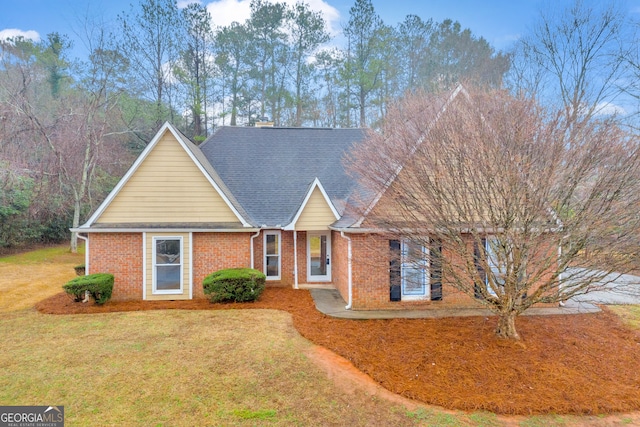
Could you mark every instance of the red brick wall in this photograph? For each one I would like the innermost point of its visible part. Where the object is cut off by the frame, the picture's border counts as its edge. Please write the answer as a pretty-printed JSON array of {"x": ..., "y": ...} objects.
[
  {"x": 286, "y": 255},
  {"x": 216, "y": 251},
  {"x": 371, "y": 277},
  {"x": 340, "y": 264},
  {"x": 121, "y": 255}
]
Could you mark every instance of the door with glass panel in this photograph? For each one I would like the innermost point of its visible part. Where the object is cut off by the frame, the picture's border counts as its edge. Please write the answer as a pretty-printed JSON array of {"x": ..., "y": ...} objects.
[{"x": 319, "y": 257}]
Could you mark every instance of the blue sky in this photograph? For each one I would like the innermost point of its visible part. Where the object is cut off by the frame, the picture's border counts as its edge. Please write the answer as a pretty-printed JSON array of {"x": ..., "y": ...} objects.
[{"x": 499, "y": 21}]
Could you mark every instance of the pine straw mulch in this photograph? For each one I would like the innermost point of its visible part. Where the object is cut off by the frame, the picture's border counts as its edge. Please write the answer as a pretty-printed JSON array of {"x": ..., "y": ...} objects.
[{"x": 571, "y": 364}]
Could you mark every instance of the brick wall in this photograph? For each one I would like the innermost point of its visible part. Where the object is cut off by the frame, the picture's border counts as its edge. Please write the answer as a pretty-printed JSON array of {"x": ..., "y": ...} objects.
[
  {"x": 371, "y": 276},
  {"x": 286, "y": 257},
  {"x": 216, "y": 251},
  {"x": 340, "y": 267},
  {"x": 121, "y": 255}
]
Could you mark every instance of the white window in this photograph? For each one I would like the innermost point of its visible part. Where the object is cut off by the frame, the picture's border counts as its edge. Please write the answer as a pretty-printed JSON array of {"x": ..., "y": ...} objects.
[
  {"x": 414, "y": 271},
  {"x": 272, "y": 254},
  {"x": 167, "y": 265},
  {"x": 496, "y": 260}
]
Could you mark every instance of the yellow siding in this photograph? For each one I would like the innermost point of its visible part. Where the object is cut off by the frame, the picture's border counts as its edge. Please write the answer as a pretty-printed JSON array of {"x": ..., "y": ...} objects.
[
  {"x": 317, "y": 214},
  {"x": 186, "y": 260},
  {"x": 167, "y": 187}
]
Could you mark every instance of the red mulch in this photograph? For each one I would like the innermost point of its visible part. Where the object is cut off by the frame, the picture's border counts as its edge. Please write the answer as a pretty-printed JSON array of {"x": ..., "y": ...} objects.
[{"x": 579, "y": 364}]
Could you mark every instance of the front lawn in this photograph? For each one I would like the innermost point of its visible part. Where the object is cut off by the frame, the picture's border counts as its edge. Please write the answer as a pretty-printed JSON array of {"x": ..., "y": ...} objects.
[{"x": 214, "y": 366}]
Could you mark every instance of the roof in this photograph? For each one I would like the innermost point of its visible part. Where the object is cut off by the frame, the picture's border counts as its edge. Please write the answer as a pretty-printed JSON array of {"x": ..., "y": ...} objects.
[{"x": 270, "y": 170}]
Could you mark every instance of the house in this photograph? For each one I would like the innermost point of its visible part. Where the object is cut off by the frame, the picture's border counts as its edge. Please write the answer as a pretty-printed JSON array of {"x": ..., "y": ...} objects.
[{"x": 274, "y": 199}]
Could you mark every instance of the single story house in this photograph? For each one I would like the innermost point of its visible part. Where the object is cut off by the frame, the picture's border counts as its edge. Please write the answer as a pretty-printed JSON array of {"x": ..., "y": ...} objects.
[{"x": 274, "y": 199}]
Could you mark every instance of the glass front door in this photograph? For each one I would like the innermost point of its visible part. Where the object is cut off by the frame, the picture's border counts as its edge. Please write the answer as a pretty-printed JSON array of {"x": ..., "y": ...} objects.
[{"x": 319, "y": 257}]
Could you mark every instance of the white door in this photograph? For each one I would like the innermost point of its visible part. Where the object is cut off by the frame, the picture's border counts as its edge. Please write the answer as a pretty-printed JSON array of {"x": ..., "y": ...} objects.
[{"x": 319, "y": 257}]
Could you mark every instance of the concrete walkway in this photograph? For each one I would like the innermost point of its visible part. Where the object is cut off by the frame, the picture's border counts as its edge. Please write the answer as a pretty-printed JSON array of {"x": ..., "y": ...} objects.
[{"x": 329, "y": 302}]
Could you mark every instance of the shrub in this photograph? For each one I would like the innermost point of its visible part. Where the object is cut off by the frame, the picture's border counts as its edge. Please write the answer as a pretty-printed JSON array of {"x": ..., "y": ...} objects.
[
  {"x": 99, "y": 286},
  {"x": 80, "y": 269},
  {"x": 234, "y": 284}
]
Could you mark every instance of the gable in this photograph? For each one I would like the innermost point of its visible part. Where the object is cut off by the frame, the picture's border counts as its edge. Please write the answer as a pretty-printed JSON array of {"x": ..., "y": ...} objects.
[
  {"x": 167, "y": 187},
  {"x": 316, "y": 214},
  {"x": 378, "y": 202}
]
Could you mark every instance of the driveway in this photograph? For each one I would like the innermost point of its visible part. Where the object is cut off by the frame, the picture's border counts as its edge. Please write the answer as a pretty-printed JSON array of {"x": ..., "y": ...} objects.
[{"x": 613, "y": 289}]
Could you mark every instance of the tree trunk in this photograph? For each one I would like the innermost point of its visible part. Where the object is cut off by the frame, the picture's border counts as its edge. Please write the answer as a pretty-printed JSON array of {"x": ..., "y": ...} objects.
[
  {"x": 75, "y": 224},
  {"x": 507, "y": 326}
]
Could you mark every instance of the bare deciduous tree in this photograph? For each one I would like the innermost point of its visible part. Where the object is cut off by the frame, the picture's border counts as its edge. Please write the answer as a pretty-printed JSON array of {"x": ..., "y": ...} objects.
[
  {"x": 512, "y": 193},
  {"x": 576, "y": 55}
]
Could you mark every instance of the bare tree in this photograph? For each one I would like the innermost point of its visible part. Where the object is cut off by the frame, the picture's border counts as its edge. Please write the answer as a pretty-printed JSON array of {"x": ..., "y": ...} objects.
[
  {"x": 512, "y": 193},
  {"x": 148, "y": 40},
  {"x": 65, "y": 135},
  {"x": 576, "y": 55}
]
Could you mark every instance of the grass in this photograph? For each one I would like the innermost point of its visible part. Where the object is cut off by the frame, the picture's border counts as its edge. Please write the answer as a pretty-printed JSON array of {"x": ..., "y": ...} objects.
[
  {"x": 32, "y": 276},
  {"x": 630, "y": 314},
  {"x": 175, "y": 367}
]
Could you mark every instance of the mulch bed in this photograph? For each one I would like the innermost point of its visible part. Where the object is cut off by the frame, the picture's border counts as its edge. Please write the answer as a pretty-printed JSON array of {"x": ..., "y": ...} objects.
[{"x": 572, "y": 364}]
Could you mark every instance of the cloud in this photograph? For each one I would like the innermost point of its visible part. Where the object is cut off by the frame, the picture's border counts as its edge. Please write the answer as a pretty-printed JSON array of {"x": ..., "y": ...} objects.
[
  {"x": 224, "y": 12},
  {"x": 184, "y": 3},
  {"x": 14, "y": 32},
  {"x": 609, "y": 109}
]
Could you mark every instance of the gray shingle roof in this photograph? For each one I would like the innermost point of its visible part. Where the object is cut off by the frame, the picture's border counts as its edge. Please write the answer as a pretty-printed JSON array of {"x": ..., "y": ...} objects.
[{"x": 269, "y": 170}]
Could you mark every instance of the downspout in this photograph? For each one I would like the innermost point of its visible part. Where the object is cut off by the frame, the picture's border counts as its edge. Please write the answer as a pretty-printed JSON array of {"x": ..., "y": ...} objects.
[
  {"x": 253, "y": 237},
  {"x": 86, "y": 252},
  {"x": 349, "y": 271},
  {"x": 295, "y": 259}
]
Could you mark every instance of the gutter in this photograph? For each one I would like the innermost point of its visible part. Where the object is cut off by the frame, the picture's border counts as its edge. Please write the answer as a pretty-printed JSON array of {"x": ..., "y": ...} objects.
[
  {"x": 350, "y": 271},
  {"x": 86, "y": 252},
  {"x": 251, "y": 249},
  {"x": 295, "y": 259},
  {"x": 164, "y": 230}
]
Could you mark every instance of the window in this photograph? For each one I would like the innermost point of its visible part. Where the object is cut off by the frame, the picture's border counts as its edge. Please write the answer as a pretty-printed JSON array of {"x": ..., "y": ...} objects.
[
  {"x": 272, "y": 252},
  {"x": 415, "y": 271},
  {"x": 496, "y": 261},
  {"x": 167, "y": 265}
]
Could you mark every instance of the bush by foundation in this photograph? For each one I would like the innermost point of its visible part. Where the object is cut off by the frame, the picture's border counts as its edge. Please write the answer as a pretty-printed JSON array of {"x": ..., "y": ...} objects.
[
  {"x": 99, "y": 286},
  {"x": 234, "y": 284}
]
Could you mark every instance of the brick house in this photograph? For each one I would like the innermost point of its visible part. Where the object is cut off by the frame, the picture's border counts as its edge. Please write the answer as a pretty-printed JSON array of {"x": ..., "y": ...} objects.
[{"x": 274, "y": 199}]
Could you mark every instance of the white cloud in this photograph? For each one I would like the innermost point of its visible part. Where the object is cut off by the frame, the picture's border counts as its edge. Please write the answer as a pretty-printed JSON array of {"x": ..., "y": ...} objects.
[
  {"x": 184, "y": 3},
  {"x": 224, "y": 12},
  {"x": 14, "y": 32},
  {"x": 609, "y": 109}
]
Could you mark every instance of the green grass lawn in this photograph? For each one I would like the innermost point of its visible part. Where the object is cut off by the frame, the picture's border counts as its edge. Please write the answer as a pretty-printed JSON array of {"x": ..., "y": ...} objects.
[
  {"x": 174, "y": 368},
  {"x": 194, "y": 368}
]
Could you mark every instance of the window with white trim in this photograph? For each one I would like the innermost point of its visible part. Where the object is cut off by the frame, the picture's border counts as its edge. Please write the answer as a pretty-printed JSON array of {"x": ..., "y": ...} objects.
[
  {"x": 414, "y": 270},
  {"x": 167, "y": 265},
  {"x": 272, "y": 254},
  {"x": 496, "y": 261}
]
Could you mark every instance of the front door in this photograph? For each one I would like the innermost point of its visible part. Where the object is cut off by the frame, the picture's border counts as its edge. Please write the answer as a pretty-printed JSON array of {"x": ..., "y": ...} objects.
[{"x": 319, "y": 257}]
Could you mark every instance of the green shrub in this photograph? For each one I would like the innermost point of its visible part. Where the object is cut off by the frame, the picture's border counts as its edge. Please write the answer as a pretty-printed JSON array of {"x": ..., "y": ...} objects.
[
  {"x": 234, "y": 284},
  {"x": 99, "y": 286}
]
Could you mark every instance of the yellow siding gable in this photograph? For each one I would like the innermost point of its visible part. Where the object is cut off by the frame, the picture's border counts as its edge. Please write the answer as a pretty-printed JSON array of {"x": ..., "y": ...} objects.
[
  {"x": 167, "y": 187},
  {"x": 317, "y": 214}
]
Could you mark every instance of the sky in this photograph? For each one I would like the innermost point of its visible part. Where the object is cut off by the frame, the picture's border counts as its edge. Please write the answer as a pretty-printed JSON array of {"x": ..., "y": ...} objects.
[{"x": 500, "y": 22}]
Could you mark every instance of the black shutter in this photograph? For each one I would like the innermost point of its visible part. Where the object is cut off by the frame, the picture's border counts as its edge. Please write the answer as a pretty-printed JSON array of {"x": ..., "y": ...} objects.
[
  {"x": 483, "y": 275},
  {"x": 395, "y": 279},
  {"x": 435, "y": 269}
]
